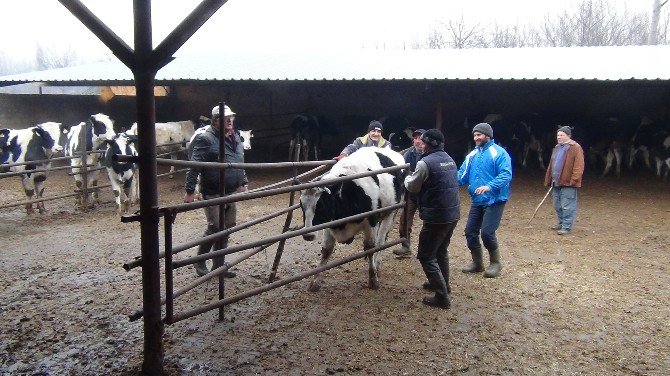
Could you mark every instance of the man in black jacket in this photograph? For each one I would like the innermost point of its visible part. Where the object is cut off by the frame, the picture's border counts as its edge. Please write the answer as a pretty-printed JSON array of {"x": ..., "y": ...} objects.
[
  {"x": 436, "y": 182},
  {"x": 205, "y": 148}
]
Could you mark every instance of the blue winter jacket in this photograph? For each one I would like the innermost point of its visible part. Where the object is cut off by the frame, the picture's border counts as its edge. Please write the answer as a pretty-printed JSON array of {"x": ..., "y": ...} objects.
[{"x": 487, "y": 165}]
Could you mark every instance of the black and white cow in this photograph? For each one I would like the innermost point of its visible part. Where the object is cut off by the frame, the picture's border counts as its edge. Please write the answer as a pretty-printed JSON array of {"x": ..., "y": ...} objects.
[
  {"x": 40, "y": 142},
  {"x": 399, "y": 132},
  {"x": 341, "y": 200},
  {"x": 170, "y": 133},
  {"x": 99, "y": 128},
  {"x": 122, "y": 175},
  {"x": 305, "y": 130}
]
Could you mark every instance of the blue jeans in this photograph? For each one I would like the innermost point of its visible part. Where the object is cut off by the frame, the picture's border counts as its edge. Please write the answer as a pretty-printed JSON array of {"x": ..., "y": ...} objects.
[
  {"x": 565, "y": 203},
  {"x": 484, "y": 219}
]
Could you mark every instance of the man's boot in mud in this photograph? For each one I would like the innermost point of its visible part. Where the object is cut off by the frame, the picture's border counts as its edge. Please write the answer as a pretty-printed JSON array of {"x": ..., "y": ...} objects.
[
  {"x": 477, "y": 266},
  {"x": 494, "y": 267}
]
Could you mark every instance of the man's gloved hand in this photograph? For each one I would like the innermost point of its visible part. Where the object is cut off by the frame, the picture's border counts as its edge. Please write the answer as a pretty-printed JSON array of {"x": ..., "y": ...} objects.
[{"x": 340, "y": 156}]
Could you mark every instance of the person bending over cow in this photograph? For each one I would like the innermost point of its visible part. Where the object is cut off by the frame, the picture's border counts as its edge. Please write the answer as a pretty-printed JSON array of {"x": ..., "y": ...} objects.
[
  {"x": 565, "y": 175},
  {"x": 412, "y": 156},
  {"x": 487, "y": 170},
  {"x": 373, "y": 138},
  {"x": 205, "y": 148},
  {"x": 436, "y": 183}
]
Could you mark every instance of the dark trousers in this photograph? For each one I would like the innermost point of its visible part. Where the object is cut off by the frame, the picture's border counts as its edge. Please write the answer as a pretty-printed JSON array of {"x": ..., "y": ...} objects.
[
  {"x": 406, "y": 221},
  {"x": 434, "y": 241},
  {"x": 484, "y": 219}
]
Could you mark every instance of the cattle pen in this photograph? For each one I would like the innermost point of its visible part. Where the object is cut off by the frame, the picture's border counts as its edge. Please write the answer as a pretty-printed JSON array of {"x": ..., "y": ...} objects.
[{"x": 169, "y": 214}]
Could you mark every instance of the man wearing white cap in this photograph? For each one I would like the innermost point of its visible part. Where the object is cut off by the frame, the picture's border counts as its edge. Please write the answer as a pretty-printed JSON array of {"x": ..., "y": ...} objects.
[{"x": 205, "y": 148}]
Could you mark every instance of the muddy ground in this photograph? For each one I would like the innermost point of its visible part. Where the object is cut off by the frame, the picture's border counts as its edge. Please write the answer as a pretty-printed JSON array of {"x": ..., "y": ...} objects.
[{"x": 593, "y": 302}]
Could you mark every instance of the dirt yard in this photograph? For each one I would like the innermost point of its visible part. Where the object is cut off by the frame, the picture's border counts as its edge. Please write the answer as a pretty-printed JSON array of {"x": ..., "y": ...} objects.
[{"x": 593, "y": 302}]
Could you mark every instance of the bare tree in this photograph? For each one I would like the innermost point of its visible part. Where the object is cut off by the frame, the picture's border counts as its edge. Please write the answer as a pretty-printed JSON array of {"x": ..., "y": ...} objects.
[
  {"x": 509, "y": 36},
  {"x": 49, "y": 57},
  {"x": 655, "y": 18},
  {"x": 591, "y": 23},
  {"x": 464, "y": 36}
]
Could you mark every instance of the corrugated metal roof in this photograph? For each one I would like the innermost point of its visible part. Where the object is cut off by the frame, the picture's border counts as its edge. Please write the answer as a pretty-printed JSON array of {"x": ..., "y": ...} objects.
[{"x": 562, "y": 63}]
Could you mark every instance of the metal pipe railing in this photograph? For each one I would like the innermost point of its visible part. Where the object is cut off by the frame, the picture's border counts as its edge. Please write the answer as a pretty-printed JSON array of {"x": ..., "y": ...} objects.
[
  {"x": 285, "y": 235},
  {"x": 271, "y": 286},
  {"x": 271, "y": 192}
]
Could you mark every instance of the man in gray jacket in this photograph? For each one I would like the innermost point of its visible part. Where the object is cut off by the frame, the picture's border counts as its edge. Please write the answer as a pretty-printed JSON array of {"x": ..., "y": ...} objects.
[{"x": 205, "y": 148}]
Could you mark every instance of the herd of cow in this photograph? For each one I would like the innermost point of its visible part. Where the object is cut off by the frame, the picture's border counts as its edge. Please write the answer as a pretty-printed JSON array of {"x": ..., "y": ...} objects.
[
  {"x": 609, "y": 144},
  {"x": 42, "y": 142}
]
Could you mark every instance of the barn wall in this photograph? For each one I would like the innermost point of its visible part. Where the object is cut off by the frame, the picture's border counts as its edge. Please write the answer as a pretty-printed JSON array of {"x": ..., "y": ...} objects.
[{"x": 268, "y": 107}]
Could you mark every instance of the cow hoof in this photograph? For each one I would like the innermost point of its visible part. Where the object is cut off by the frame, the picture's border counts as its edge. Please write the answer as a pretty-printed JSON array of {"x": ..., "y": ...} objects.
[
  {"x": 314, "y": 287},
  {"x": 374, "y": 285}
]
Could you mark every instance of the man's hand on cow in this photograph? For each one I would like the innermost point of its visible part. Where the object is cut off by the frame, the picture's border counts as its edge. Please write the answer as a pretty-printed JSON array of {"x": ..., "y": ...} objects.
[
  {"x": 340, "y": 156},
  {"x": 188, "y": 197},
  {"x": 482, "y": 189}
]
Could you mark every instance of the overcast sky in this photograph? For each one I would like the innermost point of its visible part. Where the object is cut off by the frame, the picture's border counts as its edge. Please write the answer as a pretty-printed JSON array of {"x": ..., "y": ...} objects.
[{"x": 269, "y": 24}]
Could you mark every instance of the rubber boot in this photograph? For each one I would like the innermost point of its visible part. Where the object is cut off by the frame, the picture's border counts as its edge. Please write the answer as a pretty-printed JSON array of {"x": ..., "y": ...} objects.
[
  {"x": 444, "y": 268},
  {"x": 441, "y": 298},
  {"x": 218, "y": 261},
  {"x": 494, "y": 268},
  {"x": 403, "y": 252},
  {"x": 476, "y": 266},
  {"x": 201, "y": 266}
]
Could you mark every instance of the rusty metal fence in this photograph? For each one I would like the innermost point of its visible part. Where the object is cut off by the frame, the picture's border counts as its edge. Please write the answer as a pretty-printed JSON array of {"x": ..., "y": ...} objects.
[{"x": 290, "y": 185}]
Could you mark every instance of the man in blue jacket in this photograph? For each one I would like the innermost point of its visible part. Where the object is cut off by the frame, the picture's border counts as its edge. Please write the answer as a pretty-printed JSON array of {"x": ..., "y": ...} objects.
[{"x": 487, "y": 170}]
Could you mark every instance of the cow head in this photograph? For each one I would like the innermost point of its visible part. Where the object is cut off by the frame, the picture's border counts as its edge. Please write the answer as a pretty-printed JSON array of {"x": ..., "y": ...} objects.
[
  {"x": 121, "y": 144},
  {"x": 102, "y": 126},
  {"x": 315, "y": 205},
  {"x": 246, "y": 137},
  {"x": 49, "y": 134}
]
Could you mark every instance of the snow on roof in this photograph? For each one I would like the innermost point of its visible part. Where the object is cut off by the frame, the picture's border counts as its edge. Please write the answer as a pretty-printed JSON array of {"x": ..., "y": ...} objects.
[{"x": 560, "y": 63}]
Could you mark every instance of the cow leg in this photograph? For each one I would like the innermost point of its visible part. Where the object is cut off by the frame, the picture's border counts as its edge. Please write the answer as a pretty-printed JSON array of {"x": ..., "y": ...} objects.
[
  {"x": 645, "y": 156},
  {"x": 291, "y": 149},
  {"x": 305, "y": 150},
  {"x": 540, "y": 158},
  {"x": 135, "y": 191},
  {"x": 378, "y": 237},
  {"x": 29, "y": 189},
  {"x": 609, "y": 161},
  {"x": 127, "y": 190},
  {"x": 524, "y": 157},
  {"x": 39, "y": 191},
  {"x": 632, "y": 153},
  {"x": 618, "y": 158},
  {"x": 172, "y": 168},
  {"x": 79, "y": 199},
  {"x": 326, "y": 252}
]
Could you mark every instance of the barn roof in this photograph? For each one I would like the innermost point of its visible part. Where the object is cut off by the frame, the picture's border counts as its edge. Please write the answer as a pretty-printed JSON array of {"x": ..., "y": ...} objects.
[{"x": 621, "y": 63}]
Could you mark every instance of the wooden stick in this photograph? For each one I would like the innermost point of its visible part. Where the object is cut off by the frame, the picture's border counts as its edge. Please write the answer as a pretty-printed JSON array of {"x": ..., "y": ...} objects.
[{"x": 541, "y": 202}]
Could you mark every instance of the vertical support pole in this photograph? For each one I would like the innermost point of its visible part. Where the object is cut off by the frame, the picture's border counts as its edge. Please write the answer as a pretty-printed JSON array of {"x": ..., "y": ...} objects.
[
  {"x": 168, "y": 220},
  {"x": 83, "y": 170},
  {"x": 289, "y": 218},
  {"x": 146, "y": 131},
  {"x": 219, "y": 261}
]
